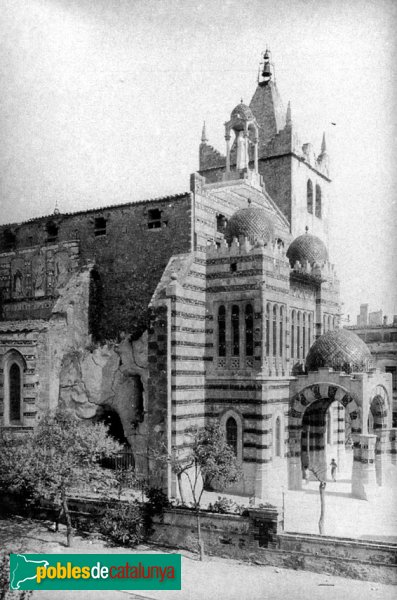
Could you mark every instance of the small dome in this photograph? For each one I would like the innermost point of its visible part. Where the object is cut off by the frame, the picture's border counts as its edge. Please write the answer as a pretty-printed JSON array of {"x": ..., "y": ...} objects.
[
  {"x": 308, "y": 248},
  {"x": 341, "y": 350},
  {"x": 242, "y": 111},
  {"x": 253, "y": 223}
]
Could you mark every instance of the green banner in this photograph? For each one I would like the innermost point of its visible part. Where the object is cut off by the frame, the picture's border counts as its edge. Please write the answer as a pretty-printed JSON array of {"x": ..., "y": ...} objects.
[{"x": 95, "y": 571}]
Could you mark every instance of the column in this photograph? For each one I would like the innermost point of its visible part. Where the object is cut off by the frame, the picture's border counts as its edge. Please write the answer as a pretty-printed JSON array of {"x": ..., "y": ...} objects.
[{"x": 364, "y": 475}]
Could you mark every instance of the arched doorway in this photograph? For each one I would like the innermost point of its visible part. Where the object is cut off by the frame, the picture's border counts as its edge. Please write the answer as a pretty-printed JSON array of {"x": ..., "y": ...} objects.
[
  {"x": 324, "y": 420},
  {"x": 377, "y": 424},
  {"x": 324, "y": 437},
  {"x": 111, "y": 419}
]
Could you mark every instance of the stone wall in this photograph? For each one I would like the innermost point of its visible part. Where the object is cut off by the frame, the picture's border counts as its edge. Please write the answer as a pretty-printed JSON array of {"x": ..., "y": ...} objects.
[
  {"x": 258, "y": 538},
  {"x": 130, "y": 245}
]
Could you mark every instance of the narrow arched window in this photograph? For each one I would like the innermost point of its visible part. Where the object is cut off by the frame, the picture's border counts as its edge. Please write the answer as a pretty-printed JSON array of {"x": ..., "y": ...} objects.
[
  {"x": 249, "y": 330},
  {"x": 267, "y": 330},
  {"x": 309, "y": 196},
  {"x": 235, "y": 330},
  {"x": 324, "y": 324},
  {"x": 232, "y": 434},
  {"x": 309, "y": 332},
  {"x": 274, "y": 330},
  {"x": 329, "y": 322},
  {"x": 298, "y": 336},
  {"x": 221, "y": 331},
  {"x": 293, "y": 334},
  {"x": 304, "y": 335},
  {"x": 278, "y": 437},
  {"x": 281, "y": 331},
  {"x": 15, "y": 392},
  {"x": 318, "y": 201}
]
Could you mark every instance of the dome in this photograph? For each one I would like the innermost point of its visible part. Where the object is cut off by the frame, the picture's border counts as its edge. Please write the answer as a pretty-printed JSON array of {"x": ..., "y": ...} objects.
[
  {"x": 308, "y": 248},
  {"x": 242, "y": 111},
  {"x": 253, "y": 223},
  {"x": 341, "y": 350}
]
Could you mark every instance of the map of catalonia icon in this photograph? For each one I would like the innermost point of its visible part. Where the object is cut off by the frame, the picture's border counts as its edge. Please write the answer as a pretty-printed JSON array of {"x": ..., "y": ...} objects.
[{"x": 24, "y": 570}]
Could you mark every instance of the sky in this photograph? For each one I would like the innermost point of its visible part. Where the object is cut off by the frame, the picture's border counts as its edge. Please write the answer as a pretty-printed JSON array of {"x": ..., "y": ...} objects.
[{"x": 103, "y": 102}]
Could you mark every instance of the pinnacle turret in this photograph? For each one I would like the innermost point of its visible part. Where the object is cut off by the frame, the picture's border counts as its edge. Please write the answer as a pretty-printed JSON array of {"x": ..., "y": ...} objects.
[
  {"x": 204, "y": 138},
  {"x": 323, "y": 145},
  {"x": 288, "y": 118}
]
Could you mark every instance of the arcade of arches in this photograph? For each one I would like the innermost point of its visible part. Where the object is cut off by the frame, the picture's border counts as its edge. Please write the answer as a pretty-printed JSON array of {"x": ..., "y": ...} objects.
[{"x": 347, "y": 419}]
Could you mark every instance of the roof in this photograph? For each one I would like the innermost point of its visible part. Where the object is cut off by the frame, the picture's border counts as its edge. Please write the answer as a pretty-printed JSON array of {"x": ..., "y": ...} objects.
[
  {"x": 253, "y": 223},
  {"x": 307, "y": 248},
  {"x": 269, "y": 112},
  {"x": 341, "y": 350},
  {"x": 172, "y": 197}
]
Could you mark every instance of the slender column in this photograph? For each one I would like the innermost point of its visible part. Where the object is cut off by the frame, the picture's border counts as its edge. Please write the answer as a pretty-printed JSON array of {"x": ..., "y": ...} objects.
[
  {"x": 364, "y": 476},
  {"x": 227, "y": 138}
]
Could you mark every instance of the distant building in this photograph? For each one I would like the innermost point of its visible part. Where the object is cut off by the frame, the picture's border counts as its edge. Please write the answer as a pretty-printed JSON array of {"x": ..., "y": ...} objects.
[{"x": 381, "y": 338}]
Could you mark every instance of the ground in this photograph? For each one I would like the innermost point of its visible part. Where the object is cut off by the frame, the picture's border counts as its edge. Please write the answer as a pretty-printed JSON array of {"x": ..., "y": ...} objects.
[
  {"x": 215, "y": 578},
  {"x": 347, "y": 517}
]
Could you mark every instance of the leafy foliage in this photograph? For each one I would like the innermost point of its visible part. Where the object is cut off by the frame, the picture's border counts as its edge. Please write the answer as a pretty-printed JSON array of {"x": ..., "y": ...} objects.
[
  {"x": 157, "y": 501},
  {"x": 124, "y": 523},
  {"x": 63, "y": 453},
  {"x": 207, "y": 461}
]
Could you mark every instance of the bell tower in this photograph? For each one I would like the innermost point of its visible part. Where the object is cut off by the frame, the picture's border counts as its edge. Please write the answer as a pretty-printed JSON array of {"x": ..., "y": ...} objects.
[{"x": 266, "y": 141}]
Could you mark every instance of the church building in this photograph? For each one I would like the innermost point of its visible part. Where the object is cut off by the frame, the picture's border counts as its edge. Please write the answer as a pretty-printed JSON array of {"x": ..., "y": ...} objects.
[{"x": 219, "y": 304}]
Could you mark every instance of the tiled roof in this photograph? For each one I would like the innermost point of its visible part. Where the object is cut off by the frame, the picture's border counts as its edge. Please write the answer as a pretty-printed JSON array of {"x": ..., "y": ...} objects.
[
  {"x": 341, "y": 350},
  {"x": 308, "y": 248},
  {"x": 101, "y": 208},
  {"x": 242, "y": 111},
  {"x": 253, "y": 223}
]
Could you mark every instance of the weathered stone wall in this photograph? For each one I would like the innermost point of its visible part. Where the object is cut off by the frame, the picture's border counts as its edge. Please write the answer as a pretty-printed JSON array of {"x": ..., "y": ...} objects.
[
  {"x": 258, "y": 539},
  {"x": 114, "y": 378},
  {"x": 130, "y": 247}
]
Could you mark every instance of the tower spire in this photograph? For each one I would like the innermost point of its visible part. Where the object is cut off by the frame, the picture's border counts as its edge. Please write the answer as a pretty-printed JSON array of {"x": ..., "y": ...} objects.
[
  {"x": 288, "y": 118},
  {"x": 323, "y": 145},
  {"x": 204, "y": 138}
]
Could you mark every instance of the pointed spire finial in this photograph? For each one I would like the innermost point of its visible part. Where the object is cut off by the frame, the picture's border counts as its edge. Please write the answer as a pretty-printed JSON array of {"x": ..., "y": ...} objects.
[
  {"x": 288, "y": 118},
  {"x": 323, "y": 145},
  {"x": 204, "y": 138},
  {"x": 266, "y": 73},
  {"x": 56, "y": 209}
]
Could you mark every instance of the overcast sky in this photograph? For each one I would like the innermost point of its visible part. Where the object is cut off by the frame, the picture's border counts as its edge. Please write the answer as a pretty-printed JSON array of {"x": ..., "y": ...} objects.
[{"x": 103, "y": 101}]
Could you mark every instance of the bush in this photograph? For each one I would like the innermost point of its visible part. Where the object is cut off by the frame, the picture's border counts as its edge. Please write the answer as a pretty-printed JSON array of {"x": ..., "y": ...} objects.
[
  {"x": 123, "y": 523},
  {"x": 223, "y": 505},
  {"x": 157, "y": 501}
]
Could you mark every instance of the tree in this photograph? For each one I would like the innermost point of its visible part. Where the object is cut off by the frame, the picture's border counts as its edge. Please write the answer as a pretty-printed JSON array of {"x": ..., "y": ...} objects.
[
  {"x": 63, "y": 453},
  {"x": 318, "y": 474},
  {"x": 208, "y": 461}
]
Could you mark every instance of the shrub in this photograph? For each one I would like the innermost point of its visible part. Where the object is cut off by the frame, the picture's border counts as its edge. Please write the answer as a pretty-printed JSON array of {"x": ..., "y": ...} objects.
[
  {"x": 157, "y": 501},
  {"x": 123, "y": 523},
  {"x": 223, "y": 505}
]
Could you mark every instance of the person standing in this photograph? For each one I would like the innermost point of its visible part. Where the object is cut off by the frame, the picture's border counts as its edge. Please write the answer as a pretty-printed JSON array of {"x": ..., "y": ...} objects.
[{"x": 334, "y": 466}]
